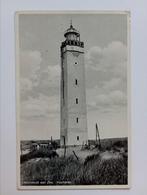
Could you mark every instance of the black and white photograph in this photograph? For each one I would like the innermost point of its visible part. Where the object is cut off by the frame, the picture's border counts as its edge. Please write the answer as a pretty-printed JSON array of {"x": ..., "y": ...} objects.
[{"x": 72, "y": 89}]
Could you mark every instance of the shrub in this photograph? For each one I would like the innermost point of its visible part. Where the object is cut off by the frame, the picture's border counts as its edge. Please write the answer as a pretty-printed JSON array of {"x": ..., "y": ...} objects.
[
  {"x": 95, "y": 170},
  {"x": 38, "y": 154},
  {"x": 106, "y": 172}
]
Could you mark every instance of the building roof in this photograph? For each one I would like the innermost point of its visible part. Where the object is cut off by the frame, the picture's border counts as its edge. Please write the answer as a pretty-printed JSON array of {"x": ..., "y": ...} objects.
[{"x": 71, "y": 30}]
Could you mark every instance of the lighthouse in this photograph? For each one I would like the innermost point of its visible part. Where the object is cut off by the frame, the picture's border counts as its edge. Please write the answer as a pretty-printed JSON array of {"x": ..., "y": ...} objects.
[{"x": 73, "y": 121}]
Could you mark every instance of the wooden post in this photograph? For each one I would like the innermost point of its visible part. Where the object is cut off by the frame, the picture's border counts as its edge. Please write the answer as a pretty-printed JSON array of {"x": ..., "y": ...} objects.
[
  {"x": 98, "y": 136},
  {"x": 64, "y": 147},
  {"x": 75, "y": 155},
  {"x": 21, "y": 149},
  {"x": 82, "y": 144}
]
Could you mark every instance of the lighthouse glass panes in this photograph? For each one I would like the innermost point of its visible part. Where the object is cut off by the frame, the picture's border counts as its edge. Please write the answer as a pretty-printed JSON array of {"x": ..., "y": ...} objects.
[{"x": 73, "y": 99}]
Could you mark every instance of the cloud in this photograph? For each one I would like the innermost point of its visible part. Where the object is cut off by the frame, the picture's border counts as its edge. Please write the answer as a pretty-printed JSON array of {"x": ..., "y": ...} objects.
[
  {"x": 29, "y": 63},
  {"x": 106, "y": 77},
  {"x": 110, "y": 102},
  {"x": 37, "y": 76},
  {"x": 41, "y": 107},
  {"x": 108, "y": 58},
  {"x": 39, "y": 84}
]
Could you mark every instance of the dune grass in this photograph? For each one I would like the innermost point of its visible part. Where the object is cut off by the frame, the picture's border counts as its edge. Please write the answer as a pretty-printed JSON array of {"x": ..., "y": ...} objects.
[{"x": 60, "y": 171}]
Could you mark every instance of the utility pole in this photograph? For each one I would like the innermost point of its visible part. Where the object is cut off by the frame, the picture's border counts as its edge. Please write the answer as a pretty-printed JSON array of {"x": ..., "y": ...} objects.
[
  {"x": 98, "y": 136},
  {"x": 64, "y": 147}
]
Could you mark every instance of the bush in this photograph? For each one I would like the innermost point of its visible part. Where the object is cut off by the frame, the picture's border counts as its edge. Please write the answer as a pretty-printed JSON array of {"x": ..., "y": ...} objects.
[
  {"x": 106, "y": 172},
  {"x": 53, "y": 170},
  {"x": 95, "y": 170},
  {"x": 38, "y": 154}
]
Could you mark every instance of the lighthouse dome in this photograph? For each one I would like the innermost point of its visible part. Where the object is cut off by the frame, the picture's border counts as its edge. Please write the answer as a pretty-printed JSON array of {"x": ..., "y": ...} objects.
[{"x": 71, "y": 30}]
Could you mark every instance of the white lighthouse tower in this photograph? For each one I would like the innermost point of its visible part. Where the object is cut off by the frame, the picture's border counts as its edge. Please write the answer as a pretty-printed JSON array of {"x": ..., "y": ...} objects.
[{"x": 73, "y": 97}]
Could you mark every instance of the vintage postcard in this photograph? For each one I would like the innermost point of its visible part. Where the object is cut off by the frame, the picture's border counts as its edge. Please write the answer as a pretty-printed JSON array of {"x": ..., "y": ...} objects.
[{"x": 72, "y": 86}]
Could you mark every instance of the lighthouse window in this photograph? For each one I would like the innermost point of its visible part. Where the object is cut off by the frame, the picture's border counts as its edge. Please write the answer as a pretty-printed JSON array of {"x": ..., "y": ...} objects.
[
  {"x": 77, "y": 119},
  {"x": 76, "y": 100},
  {"x": 77, "y": 137},
  {"x": 76, "y": 81}
]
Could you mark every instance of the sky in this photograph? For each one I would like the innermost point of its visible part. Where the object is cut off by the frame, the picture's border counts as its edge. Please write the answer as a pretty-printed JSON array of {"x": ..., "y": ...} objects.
[{"x": 106, "y": 55}]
